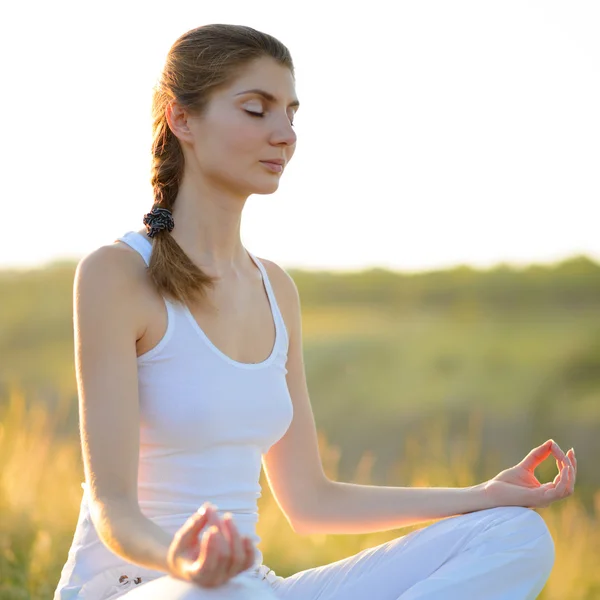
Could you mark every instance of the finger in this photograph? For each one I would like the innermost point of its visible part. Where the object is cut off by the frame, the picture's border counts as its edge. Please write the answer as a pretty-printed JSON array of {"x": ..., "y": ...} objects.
[
  {"x": 563, "y": 473},
  {"x": 238, "y": 555},
  {"x": 559, "y": 465},
  {"x": 559, "y": 476},
  {"x": 219, "y": 545},
  {"x": 192, "y": 528},
  {"x": 537, "y": 455},
  {"x": 228, "y": 537},
  {"x": 562, "y": 458},
  {"x": 222, "y": 552},
  {"x": 571, "y": 471},
  {"x": 250, "y": 552},
  {"x": 572, "y": 481},
  {"x": 568, "y": 459},
  {"x": 209, "y": 558},
  {"x": 558, "y": 453},
  {"x": 571, "y": 454},
  {"x": 561, "y": 488},
  {"x": 554, "y": 490},
  {"x": 569, "y": 480},
  {"x": 556, "y": 486},
  {"x": 247, "y": 553}
]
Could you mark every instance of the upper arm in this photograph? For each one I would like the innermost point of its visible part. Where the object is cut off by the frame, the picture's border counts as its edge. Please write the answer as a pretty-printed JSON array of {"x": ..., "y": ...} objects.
[
  {"x": 293, "y": 465},
  {"x": 105, "y": 329}
]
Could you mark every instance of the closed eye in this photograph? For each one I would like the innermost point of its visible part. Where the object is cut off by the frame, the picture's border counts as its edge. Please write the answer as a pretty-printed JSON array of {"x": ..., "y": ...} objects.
[{"x": 255, "y": 114}]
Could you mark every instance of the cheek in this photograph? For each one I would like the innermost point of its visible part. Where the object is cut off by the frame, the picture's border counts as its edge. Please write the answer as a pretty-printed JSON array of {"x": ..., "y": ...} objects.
[
  {"x": 237, "y": 137},
  {"x": 247, "y": 137},
  {"x": 232, "y": 144}
]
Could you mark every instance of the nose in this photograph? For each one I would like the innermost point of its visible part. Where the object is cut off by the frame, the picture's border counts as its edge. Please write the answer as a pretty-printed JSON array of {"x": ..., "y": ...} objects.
[{"x": 284, "y": 133}]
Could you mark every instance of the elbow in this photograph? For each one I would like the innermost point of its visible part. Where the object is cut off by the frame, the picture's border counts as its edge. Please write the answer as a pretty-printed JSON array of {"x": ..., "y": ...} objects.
[
  {"x": 105, "y": 511},
  {"x": 296, "y": 522},
  {"x": 110, "y": 518},
  {"x": 103, "y": 521},
  {"x": 313, "y": 510},
  {"x": 308, "y": 526},
  {"x": 299, "y": 528}
]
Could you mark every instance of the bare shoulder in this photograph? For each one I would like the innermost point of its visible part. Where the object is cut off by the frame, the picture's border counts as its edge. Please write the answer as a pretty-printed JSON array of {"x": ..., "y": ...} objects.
[
  {"x": 115, "y": 273},
  {"x": 279, "y": 277}
]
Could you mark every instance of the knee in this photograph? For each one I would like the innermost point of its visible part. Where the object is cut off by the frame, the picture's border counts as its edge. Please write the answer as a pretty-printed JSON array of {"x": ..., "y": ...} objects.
[
  {"x": 543, "y": 543},
  {"x": 528, "y": 517},
  {"x": 529, "y": 529}
]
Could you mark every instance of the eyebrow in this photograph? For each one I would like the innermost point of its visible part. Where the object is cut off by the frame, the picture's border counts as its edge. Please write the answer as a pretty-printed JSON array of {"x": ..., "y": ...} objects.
[{"x": 269, "y": 97}]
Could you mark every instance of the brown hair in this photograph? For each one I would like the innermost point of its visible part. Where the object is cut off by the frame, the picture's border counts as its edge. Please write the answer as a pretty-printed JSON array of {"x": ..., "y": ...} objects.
[{"x": 199, "y": 62}]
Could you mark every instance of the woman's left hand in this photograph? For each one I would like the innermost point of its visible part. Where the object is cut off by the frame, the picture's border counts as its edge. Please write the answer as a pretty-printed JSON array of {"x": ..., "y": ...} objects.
[{"x": 518, "y": 486}]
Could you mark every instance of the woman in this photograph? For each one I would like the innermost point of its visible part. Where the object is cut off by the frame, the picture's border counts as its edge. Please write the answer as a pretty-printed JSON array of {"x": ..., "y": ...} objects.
[{"x": 190, "y": 373}]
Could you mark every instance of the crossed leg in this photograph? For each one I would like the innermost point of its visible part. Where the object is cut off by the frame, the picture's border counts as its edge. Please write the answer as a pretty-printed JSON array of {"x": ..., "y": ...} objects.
[{"x": 504, "y": 553}]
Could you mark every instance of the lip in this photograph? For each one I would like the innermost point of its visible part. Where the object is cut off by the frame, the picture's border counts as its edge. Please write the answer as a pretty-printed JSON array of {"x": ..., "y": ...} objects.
[{"x": 276, "y": 167}]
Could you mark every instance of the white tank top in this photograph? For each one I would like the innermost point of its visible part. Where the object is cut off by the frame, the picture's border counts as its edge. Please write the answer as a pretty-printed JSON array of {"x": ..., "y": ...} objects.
[{"x": 205, "y": 421}]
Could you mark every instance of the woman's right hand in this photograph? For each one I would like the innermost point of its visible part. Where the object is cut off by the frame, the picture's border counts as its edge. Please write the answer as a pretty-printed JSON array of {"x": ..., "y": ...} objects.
[{"x": 209, "y": 558}]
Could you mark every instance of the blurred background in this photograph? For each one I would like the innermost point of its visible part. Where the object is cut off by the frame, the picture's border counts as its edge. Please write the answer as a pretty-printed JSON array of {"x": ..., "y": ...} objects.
[{"x": 440, "y": 218}]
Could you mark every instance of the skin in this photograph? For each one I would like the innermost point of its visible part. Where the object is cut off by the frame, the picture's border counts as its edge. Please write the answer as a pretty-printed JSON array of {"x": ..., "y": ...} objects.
[{"x": 519, "y": 486}]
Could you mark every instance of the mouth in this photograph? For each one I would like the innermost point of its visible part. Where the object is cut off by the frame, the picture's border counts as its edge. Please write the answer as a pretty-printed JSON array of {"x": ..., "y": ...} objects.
[{"x": 276, "y": 167}]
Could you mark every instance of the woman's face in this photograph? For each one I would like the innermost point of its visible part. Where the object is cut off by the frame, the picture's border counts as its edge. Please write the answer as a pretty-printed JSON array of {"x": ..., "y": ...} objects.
[{"x": 229, "y": 144}]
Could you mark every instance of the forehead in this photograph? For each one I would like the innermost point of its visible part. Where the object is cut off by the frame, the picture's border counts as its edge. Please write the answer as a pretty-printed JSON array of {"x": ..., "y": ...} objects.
[{"x": 268, "y": 75}]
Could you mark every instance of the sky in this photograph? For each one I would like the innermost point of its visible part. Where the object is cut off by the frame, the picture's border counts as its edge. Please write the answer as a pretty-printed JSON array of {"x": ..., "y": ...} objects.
[{"x": 430, "y": 134}]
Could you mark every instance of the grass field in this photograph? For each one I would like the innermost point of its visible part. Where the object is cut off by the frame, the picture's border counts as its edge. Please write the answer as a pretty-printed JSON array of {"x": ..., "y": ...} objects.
[
  {"x": 441, "y": 380},
  {"x": 40, "y": 494}
]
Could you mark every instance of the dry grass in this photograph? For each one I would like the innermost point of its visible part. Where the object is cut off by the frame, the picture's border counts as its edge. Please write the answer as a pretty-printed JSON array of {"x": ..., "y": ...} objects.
[{"x": 40, "y": 492}]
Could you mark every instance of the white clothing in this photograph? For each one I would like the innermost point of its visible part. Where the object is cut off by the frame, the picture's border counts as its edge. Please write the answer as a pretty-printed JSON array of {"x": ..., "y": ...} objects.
[
  {"x": 205, "y": 422},
  {"x": 504, "y": 553}
]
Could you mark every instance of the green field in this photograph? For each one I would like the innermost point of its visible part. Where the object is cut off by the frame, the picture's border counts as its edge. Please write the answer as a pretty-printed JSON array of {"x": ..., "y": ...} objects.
[{"x": 438, "y": 379}]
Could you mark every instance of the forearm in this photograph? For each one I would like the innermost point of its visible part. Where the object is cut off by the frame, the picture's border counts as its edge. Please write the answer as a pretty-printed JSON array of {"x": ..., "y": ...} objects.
[
  {"x": 350, "y": 508},
  {"x": 131, "y": 535}
]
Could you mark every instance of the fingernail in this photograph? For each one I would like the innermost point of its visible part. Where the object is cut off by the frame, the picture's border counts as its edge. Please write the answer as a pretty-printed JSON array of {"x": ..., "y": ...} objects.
[{"x": 204, "y": 508}]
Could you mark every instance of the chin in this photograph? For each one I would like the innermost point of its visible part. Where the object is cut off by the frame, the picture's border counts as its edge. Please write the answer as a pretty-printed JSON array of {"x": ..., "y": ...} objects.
[{"x": 266, "y": 188}]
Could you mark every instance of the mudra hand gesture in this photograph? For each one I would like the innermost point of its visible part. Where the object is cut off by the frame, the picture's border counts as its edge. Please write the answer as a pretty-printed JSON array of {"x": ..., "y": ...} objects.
[
  {"x": 209, "y": 558},
  {"x": 518, "y": 486}
]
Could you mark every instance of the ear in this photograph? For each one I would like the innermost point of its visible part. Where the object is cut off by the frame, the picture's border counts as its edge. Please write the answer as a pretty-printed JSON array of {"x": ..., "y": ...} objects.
[{"x": 177, "y": 118}]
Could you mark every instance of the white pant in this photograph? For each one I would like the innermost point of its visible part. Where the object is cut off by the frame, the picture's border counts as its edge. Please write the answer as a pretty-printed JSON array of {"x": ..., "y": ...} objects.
[{"x": 504, "y": 553}]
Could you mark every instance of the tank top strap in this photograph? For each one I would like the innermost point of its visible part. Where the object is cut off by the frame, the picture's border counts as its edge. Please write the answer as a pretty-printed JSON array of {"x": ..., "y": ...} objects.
[
  {"x": 139, "y": 243},
  {"x": 278, "y": 317}
]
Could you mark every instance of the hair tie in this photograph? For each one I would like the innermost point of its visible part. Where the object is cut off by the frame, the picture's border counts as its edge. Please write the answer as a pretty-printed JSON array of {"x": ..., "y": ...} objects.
[{"x": 157, "y": 219}]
